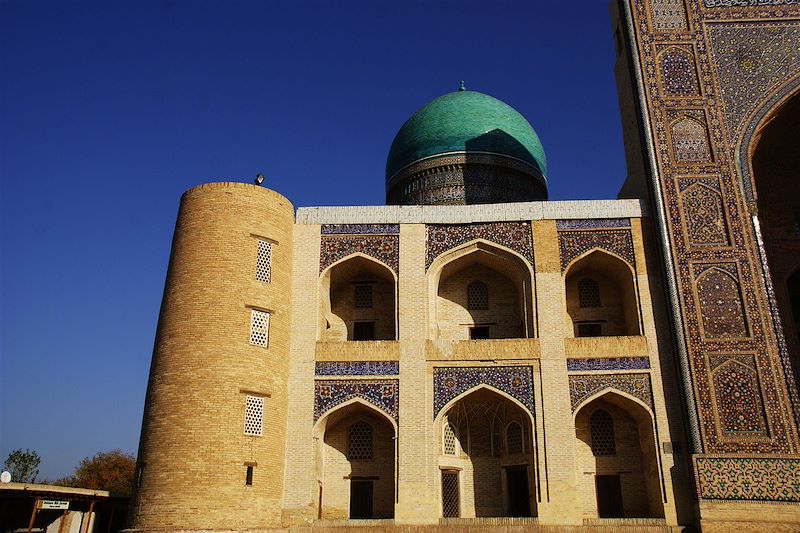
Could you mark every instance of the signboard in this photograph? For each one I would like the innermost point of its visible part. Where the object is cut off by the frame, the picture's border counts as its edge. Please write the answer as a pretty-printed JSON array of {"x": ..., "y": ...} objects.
[{"x": 53, "y": 504}]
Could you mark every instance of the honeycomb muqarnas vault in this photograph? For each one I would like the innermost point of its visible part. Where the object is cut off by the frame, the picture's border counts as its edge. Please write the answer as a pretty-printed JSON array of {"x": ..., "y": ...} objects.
[{"x": 472, "y": 355}]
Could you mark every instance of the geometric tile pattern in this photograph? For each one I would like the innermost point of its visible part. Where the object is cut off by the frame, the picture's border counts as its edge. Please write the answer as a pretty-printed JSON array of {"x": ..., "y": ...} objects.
[
  {"x": 720, "y": 301},
  {"x": 356, "y": 368},
  {"x": 678, "y": 74},
  {"x": 581, "y": 386},
  {"x": 770, "y": 479},
  {"x": 574, "y": 243},
  {"x": 593, "y": 223},
  {"x": 690, "y": 140},
  {"x": 668, "y": 15},
  {"x": 360, "y": 229},
  {"x": 738, "y": 397},
  {"x": 381, "y": 393},
  {"x": 513, "y": 235},
  {"x": 450, "y": 382},
  {"x": 705, "y": 216},
  {"x": 608, "y": 363},
  {"x": 384, "y": 248},
  {"x": 748, "y": 3}
]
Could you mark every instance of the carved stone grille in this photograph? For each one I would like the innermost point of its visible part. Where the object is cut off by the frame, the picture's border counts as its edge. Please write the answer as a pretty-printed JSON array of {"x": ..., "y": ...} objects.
[
  {"x": 514, "y": 438},
  {"x": 477, "y": 296},
  {"x": 363, "y": 296},
  {"x": 259, "y": 328},
  {"x": 253, "y": 415},
  {"x": 359, "y": 441},
  {"x": 602, "y": 429},
  {"x": 449, "y": 440},
  {"x": 450, "y": 495},
  {"x": 264, "y": 261},
  {"x": 588, "y": 293}
]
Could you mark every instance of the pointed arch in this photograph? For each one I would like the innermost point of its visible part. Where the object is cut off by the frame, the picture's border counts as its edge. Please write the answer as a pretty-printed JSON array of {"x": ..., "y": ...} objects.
[
  {"x": 678, "y": 72},
  {"x": 341, "y": 318}
]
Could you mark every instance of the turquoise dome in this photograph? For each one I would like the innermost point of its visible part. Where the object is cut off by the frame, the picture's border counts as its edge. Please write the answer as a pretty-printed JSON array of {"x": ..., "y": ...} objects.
[{"x": 466, "y": 121}]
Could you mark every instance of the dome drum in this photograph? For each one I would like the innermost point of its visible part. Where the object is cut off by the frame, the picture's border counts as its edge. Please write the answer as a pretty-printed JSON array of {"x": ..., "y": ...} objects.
[{"x": 465, "y": 178}]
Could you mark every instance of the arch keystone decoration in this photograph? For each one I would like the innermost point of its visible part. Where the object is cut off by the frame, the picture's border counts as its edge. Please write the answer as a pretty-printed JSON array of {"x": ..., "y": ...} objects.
[
  {"x": 383, "y": 394},
  {"x": 585, "y": 388},
  {"x": 384, "y": 248}
]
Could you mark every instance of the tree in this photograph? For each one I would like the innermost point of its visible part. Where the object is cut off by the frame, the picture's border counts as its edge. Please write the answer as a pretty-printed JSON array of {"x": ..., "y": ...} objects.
[
  {"x": 111, "y": 471},
  {"x": 23, "y": 465}
]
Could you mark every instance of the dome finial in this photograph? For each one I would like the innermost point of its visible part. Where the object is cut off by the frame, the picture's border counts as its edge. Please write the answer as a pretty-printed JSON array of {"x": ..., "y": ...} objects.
[{"x": 461, "y": 86}]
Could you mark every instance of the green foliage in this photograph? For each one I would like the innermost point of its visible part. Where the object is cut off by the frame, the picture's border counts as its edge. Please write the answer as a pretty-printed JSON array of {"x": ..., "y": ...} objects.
[
  {"x": 23, "y": 465},
  {"x": 111, "y": 471}
]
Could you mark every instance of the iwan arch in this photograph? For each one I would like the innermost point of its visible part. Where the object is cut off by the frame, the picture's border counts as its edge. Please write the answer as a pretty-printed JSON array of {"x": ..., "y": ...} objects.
[{"x": 472, "y": 355}]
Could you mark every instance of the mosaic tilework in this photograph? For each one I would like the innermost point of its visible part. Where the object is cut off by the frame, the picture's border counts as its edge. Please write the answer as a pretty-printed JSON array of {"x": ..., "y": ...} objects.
[
  {"x": 668, "y": 15},
  {"x": 360, "y": 229},
  {"x": 748, "y": 3},
  {"x": 737, "y": 395},
  {"x": 450, "y": 382},
  {"x": 383, "y": 394},
  {"x": 582, "y": 386},
  {"x": 384, "y": 248},
  {"x": 678, "y": 73},
  {"x": 745, "y": 38},
  {"x": 704, "y": 216},
  {"x": 513, "y": 235},
  {"x": 771, "y": 479},
  {"x": 574, "y": 243},
  {"x": 594, "y": 223},
  {"x": 356, "y": 368},
  {"x": 690, "y": 141},
  {"x": 752, "y": 60},
  {"x": 608, "y": 363},
  {"x": 720, "y": 301}
]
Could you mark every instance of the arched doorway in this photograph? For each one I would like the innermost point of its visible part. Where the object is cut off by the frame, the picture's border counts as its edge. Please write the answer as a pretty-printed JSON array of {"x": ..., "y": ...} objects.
[
  {"x": 775, "y": 164},
  {"x": 480, "y": 291},
  {"x": 601, "y": 296},
  {"x": 485, "y": 457},
  {"x": 358, "y": 301},
  {"x": 617, "y": 469},
  {"x": 356, "y": 463}
]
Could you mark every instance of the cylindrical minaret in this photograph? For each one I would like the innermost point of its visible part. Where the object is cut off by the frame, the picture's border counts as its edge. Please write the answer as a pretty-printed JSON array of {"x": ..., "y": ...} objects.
[{"x": 209, "y": 456}]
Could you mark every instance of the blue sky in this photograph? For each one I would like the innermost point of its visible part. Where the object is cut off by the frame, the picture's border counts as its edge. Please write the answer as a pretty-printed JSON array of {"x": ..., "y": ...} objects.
[{"x": 110, "y": 110}]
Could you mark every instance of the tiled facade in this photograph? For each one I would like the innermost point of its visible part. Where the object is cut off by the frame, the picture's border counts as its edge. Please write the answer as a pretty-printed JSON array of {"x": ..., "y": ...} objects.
[{"x": 679, "y": 331}]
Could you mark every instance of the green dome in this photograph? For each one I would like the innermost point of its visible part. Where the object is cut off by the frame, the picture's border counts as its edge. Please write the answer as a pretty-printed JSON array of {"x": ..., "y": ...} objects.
[{"x": 465, "y": 121}]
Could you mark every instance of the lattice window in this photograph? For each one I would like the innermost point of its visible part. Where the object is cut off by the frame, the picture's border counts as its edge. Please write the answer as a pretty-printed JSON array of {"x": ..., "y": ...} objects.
[
  {"x": 264, "y": 261},
  {"x": 449, "y": 439},
  {"x": 259, "y": 327},
  {"x": 514, "y": 438},
  {"x": 363, "y": 296},
  {"x": 253, "y": 415},
  {"x": 588, "y": 293},
  {"x": 477, "y": 296},
  {"x": 450, "y": 494},
  {"x": 359, "y": 441},
  {"x": 602, "y": 429}
]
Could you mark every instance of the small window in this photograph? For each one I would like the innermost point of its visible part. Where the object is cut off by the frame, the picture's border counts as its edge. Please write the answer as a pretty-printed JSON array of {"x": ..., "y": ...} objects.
[
  {"x": 477, "y": 296},
  {"x": 514, "y": 438},
  {"x": 248, "y": 476},
  {"x": 363, "y": 296},
  {"x": 259, "y": 328},
  {"x": 364, "y": 331},
  {"x": 253, "y": 415},
  {"x": 588, "y": 293},
  {"x": 449, "y": 440},
  {"x": 590, "y": 329},
  {"x": 602, "y": 429},
  {"x": 479, "y": 332},
  {"x": 264, "y": 261},
  {"x": 359, "y": 441}
]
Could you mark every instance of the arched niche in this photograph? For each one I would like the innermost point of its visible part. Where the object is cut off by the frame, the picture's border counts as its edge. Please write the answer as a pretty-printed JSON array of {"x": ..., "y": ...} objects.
[
  {"x": 601, "y": 296},
  {"x": 507, "y": 280},
  {"x": 616, "y": 458},
  {"x": 774, "y": 160},
  {"x": 358, "y": 298},
  {"x": 495, "y": 477},
  {"x": 355, "y": 468}
]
